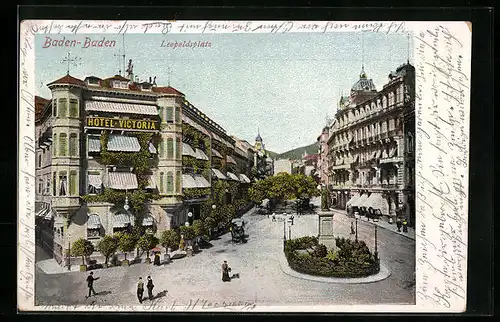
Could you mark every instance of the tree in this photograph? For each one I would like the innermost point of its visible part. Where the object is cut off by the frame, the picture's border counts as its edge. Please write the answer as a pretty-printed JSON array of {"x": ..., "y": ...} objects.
[
  {"x": 198, "y": 228},
  {"x": 126, "y": 243},
  {"x": 187, "y": 232},
  {"x": 83, "y": 248},
  {"x": 108, "y": 246},
  {"x": 209, "y": 223},
  {"x": 146, "y": 243},
  {"x": 170, "y": 239}
]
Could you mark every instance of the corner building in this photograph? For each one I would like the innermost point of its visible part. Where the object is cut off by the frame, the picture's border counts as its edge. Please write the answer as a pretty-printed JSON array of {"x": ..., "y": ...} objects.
[{"x": 371, "y": 147}]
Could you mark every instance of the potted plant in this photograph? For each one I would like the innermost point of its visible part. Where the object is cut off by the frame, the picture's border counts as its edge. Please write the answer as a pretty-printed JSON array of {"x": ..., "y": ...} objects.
[
  {"x": 198, "y": 230},
  {"x": 146, "y": 243},
  {"x": 188, "y": 234},
  {"x": 169, "y": 239},
  {"x": 83, "y": 248},
  {"x": 126, "y": 243},
  {"x": 107, "y": 246}
]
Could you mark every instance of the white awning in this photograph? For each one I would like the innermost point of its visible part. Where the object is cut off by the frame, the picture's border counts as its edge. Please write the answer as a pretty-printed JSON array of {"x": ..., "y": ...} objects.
[
  {"x": 194, "y": 124},
  {"x": 230, "y": 160},
  {"x": 122, "y": 180},
  {"x": 244, "y": 178},
  {"x": 352, "y": 201},
  {"x": 95, "y": 180},
  {"x": 378, "y": 202},
  {"x": 94, "y": 144},
  {"x": 188, "y": 181},
  {"x": 219, "y": 174},
  {"x": 148, "y": 220},
  {"x": 118, "y": 107},
  {"x": 216, "y": 153},
  {"x": 50, "y": 214},
  {"x": 201, "y": 182},
  {"x": 200, "y": 155},
  {"x": 152, "y": 148},
  {"x": 361, "y": 201},
  {"x": 232, "y": 176},
  {"x": 94, "y": 222},
  {"x": 393, "y": 151},
  {"x": 123, "y": 143},
  {"x": 151, "y": 182},
  {"x": 121, "y": 220},
  {"x": 216, "y": 137},
  {"x": 379, "y": 154},
  {"x": 188, "y": 150}
]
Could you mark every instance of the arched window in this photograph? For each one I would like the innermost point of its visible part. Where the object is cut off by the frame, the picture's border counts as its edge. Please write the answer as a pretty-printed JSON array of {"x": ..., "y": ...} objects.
[
  {"x": 177, "y": 114},
  {"x": 73, "y": 108},
  {"x": 54, "y": 108},
  {"x": 72, "y": 183},
  {"x": 170, "y": 114},
  {"x": 391, "y": 124},
  {"x": 54, "y": 143},
  {"x": 170, "y": 182},
  {"x": 54, "y": 186},
  {"x": 161, "y": 182},
  {"x": 170, "y": 148},
  {"x": 178, "y": 181},
  {"x": 63, "y": 185},
  {"x": 178, "y": 148},
  {"x": 63, "y": 107},
  {"x": 73, "y": 145},
  {"x": 161, "y": 149},
  {"x": 63, "y": 144}
]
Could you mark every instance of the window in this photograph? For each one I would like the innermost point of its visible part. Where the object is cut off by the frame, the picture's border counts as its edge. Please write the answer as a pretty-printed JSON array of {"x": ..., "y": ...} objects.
[
  {"x": 54, "y": 108},
  {"x": 170, "y": 182},
  {"x": 40, "y": 186},
  {"x": 39, "y": 160},
  {"x": 72, "y": 183},
  {"x": 63, "y": 188},
  {"x": 170, "y": 148},
  {"x": 54, "y": 143},
  {"x": 384, "y": 101},
  {"x": 94, "y": 186},
  {"x": 160, "y": 113},
  {"x": 63, "y": 143},
  {"x": 54, "y": 177},
  {"x": 63, "y": 107},
  {"x": 73, "y": 108},
  {"x": 391, "y": 124},
  {"x": 177, "y": 114},
  {"x": 170, "y": 114},
  {"x": 73, "y": 143},
  {"x": 178, "y": 147},
  {"x": 178, "y": 181},
  {"x": 47, "y": 185},
  {"x": 161, "y": 149},
  {"x": 93, "y": 233},
  {"x": 161, "y": 181}
]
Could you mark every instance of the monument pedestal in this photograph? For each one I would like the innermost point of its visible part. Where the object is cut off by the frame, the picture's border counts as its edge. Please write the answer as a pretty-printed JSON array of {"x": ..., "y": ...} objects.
[{"x": 325, "y": 229}]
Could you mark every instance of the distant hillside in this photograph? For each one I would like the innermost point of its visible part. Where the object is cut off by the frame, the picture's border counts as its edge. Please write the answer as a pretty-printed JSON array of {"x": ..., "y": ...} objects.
[
  {"x": 271, "y": 154},
  {"x": 297, "y": 153}
]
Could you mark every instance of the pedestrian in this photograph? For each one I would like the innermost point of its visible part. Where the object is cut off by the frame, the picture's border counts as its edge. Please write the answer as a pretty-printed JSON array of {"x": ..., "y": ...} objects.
[
  {"x": 140, "y": 289},
  {"x": 90, "y": 284},
  {"x": 274, "y": 216},
  {"x": 150, "y": 287},
  {"x": 157, "y": 259},
  {"x": 291, "y": 219},
  {"x": 352, "y": 228},
  {"x": 398, "y": 224},
  {"x": 225, "y": 272},
  {"x": 405, "y": 226}
]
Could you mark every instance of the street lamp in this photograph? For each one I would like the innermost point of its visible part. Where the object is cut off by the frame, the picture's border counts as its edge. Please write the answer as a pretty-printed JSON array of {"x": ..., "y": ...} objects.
[
  {"x": 356, "y": 229},
  {"x": 190, "y": 216},
  {"x": 376, "y": 250}
]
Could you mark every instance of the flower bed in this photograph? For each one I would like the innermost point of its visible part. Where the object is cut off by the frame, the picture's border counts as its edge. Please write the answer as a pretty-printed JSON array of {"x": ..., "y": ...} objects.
[{"x": 351, "y": 260}]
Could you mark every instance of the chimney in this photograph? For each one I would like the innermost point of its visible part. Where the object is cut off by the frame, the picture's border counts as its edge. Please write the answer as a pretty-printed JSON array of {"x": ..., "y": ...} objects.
[{"x": 150, "y": 80}]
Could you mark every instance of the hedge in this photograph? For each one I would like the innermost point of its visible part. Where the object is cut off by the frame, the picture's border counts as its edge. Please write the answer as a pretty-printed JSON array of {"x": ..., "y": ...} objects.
[{"x": 359, "y": 263}]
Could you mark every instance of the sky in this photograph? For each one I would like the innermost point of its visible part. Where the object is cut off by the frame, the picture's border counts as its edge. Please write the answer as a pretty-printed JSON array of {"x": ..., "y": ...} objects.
[{"x": 283, "y": 85}]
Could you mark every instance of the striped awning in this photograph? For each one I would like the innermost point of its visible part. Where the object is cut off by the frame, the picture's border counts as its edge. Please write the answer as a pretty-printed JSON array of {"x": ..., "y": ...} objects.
[
  {"x": 121, "y": 220},
  {"x": 219, "y": 174},
  {"x": 188, "y": 181},
  {"x": 232, "y": 176},
  {"x": 200, "y": 155},
  {"x": 50, "y": 214},
  {"x": 122, "y": 180},
  {"x": 94, "y": 222},
  {"x": 151, "y": 182},
  {"x": 216, "y": 153},
  {"x": 95, "y": 180},
  {"x": 230, "y": 160},
  {"x": 188, "y": 150},
  {"x": 379, "y": 154},
  {"x": 194, "y": 124},
  {"x": 94, "y": 144},
  {"x": 216, "y": 137},
  {"x": 201, "y": 182},
  {"x": 244, "y": 178},
  {"x": 118, "y": 107},
  {"x": 152, "y": 148},
  {"x": 41, "y": 208},
  {"x": 123, "y": 143},
  {"x": 148, "y": 220},
  {"x": 392, "y": 152}
]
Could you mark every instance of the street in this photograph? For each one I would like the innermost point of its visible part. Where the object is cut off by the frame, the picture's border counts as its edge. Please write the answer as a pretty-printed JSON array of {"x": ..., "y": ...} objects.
[{"x": 261, "y": 280}]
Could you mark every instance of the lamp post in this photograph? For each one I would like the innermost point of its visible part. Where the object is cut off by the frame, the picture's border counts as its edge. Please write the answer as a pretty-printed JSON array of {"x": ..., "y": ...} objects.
[
  {"x": 289, "y": 232},
  {"x": 356, "y": 229},
  {"x": 69, "y": 249},
  {"x": 376, "y": 250},
  {"x": 190, "y": 217}
]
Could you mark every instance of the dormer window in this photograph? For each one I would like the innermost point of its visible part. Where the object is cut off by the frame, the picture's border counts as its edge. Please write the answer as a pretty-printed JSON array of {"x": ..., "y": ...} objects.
[
  {"x": 93, "y": 82},
  {"x": 120, "y": 84}
]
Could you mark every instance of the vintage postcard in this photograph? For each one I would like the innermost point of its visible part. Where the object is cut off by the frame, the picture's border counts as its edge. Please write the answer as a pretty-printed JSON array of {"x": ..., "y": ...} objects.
[{"x": 243, "y": 166}]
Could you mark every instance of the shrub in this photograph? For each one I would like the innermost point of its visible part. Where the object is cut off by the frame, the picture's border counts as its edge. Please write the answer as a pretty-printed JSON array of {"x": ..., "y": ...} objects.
[
  {"x": 198, "y": 228},
  {"x": 170, "y": 239},
  {"x": 108, "y": 246},
  {"x": 83, "y": 248},
  {"x": 187, "y": 232},
  {"x": 320, "y": 251},
  {"x": 126, "y": 243}
]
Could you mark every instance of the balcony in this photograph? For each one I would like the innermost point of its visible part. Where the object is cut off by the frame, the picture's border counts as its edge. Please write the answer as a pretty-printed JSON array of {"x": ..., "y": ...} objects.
[
  {"x": 66, "y": 202},
  {"x": 392, "y": 160}
]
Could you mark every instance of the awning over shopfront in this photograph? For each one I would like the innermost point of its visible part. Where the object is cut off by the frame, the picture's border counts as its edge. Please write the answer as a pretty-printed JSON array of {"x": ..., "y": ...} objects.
[
  {"x": 94, "y": 222},
  {"x": 95, "y": 180},
  {"x": 188, "y": 150},
  {"x": 361, "y": 201},
  {"x": 219, "y": 174},
  {"x": 188, "y": 181},
  {"x": 121, "y": 220},
  {"x": 50, "y": 214},
  {"x": 41, "y": 208},
  {"x": 379, "y": 202},
  {"x": 152, "y": 148},
  {"x": 122, "y": 180},
  {"x": 201, "y": 182},
  {"x": 232, "y": 176},
  {"x": 352, "y": 201},
  {"x": 194, "y": 124},
  {"x": 118, "y": 107},
  {"x": 244, "y": 178},
  {"x": 392, "y": 152},
  {"x": 94, "y": 144},
  {"x": 216, "y": 153},
  {"x": 379, "y": 154},
  {"x": 123, "y": 143},
  {"x": 230, "y": 160},
  {"x": 200, "y": 155},
  {"x": 151, "y": 182},
  {"x": 148, "y": 220}
]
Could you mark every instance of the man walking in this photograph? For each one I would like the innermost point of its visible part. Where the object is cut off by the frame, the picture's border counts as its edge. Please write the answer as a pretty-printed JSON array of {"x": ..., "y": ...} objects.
[
  {"x": 90, "y": 284},
  {"x": 140, "y": 289},
  {"x": 150, "y": 287}
]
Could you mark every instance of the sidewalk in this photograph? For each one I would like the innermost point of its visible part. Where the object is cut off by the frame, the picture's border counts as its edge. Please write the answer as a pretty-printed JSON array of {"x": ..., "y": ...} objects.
[{"x": 382, "y": 223}]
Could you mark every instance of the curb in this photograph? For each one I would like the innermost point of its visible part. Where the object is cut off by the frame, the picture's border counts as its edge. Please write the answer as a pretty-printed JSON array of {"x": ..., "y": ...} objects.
[{"x": 380, "y": 276}]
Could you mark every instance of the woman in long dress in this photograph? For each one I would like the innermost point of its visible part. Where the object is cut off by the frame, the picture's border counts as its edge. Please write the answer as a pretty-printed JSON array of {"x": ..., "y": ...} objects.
[{"x": 225, "y": 272}]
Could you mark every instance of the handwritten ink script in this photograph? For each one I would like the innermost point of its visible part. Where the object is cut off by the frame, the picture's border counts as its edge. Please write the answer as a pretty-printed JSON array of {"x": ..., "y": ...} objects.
[
  {"x": 26, "y": 153},
  {"x": 442, "y": 114},
  {"x": 201, "y": 27}
]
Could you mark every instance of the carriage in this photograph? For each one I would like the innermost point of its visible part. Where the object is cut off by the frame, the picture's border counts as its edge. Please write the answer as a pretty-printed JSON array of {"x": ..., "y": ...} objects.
[{"x": 237, "y": 229}]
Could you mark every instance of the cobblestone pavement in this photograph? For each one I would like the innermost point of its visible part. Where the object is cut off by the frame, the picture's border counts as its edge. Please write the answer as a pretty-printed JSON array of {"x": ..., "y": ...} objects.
[{"x": 261, "y": 280}]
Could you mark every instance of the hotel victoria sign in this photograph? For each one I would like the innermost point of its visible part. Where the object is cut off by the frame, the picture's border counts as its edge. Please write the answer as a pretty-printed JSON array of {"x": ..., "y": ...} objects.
[{"x": 122, "y": 124}]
